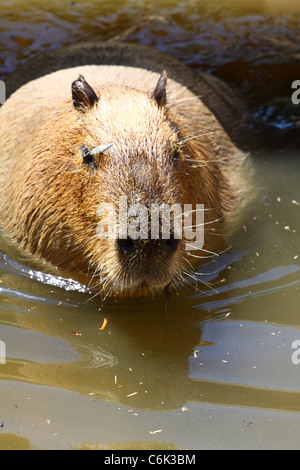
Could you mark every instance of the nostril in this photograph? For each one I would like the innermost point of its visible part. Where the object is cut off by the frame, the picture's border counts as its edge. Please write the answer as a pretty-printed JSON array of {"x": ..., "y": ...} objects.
[
  {"x": 126, "y": 245},
  {"x": 171, "y": 245}
]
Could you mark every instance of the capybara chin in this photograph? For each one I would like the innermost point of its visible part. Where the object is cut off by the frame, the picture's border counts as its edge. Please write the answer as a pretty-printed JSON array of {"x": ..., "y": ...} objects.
[{"x": 79, "y": 142}]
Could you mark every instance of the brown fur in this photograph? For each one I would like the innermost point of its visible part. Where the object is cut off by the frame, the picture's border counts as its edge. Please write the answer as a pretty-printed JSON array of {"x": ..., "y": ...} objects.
[{"x": 49, "y": 198}]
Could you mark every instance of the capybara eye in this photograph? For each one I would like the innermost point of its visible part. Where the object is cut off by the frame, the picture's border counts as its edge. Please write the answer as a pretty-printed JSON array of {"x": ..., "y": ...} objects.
[
  {"x": 176, "y": 155},
  {"x": 89, "y": 159},
  {"x": 176, "y": 151}
]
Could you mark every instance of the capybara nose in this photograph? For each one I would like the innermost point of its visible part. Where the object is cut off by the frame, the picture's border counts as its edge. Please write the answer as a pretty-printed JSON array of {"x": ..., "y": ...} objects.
[
  {"x": 129, "y": 246},
  {"x": 170, "y": 245},
  {"x": 126, "y": 245}
]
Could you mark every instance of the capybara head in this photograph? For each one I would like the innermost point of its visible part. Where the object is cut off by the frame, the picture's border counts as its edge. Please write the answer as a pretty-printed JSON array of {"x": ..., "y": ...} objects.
[
  {"x": 127, "y": 158},
  {"x": 104, "y": 176}
]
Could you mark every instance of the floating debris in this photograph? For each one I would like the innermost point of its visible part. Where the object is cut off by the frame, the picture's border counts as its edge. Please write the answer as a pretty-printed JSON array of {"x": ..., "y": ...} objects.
[{"x": 103, "y": 324}]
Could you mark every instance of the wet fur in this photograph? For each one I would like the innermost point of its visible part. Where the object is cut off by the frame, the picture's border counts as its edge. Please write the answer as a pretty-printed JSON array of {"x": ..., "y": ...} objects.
[{"x": 49, "y": 198}]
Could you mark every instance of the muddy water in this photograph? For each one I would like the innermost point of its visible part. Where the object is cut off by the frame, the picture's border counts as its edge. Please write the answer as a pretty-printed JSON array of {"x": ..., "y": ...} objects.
[{"x": 215, "y": 366}]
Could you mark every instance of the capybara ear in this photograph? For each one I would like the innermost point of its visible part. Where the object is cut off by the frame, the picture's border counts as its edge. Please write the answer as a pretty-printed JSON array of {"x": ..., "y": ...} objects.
[
  {"x": 83, "y": 94},
  {"x": 160, "y": 92}
]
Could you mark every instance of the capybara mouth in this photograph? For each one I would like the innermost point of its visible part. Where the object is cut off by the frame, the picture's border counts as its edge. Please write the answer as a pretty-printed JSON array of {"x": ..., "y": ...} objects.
[
  {"x": 148, "y": 265},
  {"x": 142, "y": 288},
  {"x": 134, "y": 283},
  {"x": 136, "y": 272},
  {"x": 144, "y": 284},
  {"x": 132, "y": 288}
]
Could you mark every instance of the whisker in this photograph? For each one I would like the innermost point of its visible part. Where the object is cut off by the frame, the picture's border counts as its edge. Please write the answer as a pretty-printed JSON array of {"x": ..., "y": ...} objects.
[
  {"x": 202, "y": 162},
  {"x": 203, "y": 282},
  {"x": 196, "y": 136},
  {"x": 205, "y": 223},
  {"x": 207, "y": 251},
  {"x": 194, "y": 279},
  {"x": 191, "y": 211}
]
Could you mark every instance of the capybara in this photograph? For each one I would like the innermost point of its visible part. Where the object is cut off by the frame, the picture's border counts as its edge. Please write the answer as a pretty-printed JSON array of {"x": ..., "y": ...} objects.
[{"x": 88, "y": 126}]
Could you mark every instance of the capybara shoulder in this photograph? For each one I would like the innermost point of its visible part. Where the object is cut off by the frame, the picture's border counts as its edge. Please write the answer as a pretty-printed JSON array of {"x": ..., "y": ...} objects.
[{"x": 94, "y": 152}]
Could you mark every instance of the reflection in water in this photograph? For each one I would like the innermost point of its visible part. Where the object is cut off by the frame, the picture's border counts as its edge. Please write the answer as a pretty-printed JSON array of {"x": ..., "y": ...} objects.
[{"x": 217, "y": 356}]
